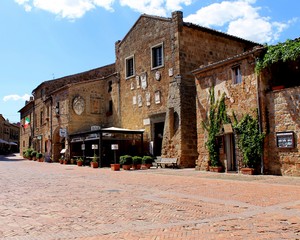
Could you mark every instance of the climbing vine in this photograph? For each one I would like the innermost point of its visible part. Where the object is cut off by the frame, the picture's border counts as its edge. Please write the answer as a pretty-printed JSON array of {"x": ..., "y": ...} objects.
[
  {"x": 250, "y": 139},
  {"x": 217, "y": 116},
  {"x": 289, "y": 50}
]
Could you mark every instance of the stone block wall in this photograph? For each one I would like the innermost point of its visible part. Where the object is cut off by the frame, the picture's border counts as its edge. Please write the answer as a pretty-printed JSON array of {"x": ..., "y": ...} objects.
[
  {"x": 240, "y": 98},
  {"x": 283, "y": 116}
]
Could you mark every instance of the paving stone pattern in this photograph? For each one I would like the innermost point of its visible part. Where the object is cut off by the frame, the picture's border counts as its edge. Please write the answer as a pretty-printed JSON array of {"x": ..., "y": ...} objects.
[{"x": 46, "y": 201}]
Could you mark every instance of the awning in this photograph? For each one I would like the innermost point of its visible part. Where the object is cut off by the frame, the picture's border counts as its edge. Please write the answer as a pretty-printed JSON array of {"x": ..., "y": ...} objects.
[
  {"x": 120, "y": 130},
  {"x": 13, "y": 143},
  {"x": 3, "y": 141}
]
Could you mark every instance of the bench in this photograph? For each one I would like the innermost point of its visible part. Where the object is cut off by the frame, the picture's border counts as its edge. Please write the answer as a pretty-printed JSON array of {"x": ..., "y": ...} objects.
[{"x": 159, "y": 161}]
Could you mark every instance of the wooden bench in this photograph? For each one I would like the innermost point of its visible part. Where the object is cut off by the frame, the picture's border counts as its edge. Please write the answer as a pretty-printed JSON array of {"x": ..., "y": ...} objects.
[{"x": 159, "y": 161}]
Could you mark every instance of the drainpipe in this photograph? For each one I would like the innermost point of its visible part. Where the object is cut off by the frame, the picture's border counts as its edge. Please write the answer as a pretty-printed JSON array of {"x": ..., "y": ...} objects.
[
  {"x": 259, "y": 118},
  {"x": 119, "y": 96},
  {"x": 51, "y": 127}
]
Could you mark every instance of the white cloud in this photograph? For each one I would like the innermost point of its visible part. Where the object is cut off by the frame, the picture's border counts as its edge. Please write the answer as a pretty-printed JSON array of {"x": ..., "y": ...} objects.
[
  {"x": 175, "y": 5},
  {"x": 236, "y": 17},
  {"x": 16, "y": 97},
  {"x": 155, "y": 7},
  {"x": 73, "y": 9},
  {"x": 146, "y": 6},
  {"x": 241, "y": 19},
  {"x": 70, "y": 9}
]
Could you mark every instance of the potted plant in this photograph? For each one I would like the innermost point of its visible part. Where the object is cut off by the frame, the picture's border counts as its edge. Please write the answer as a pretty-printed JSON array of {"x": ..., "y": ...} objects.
[
  {"x": 28, "y": 153},
  {"x": 136, "y": 162},
  {"x": 33, "y": 155},
  {"x": 40, "y": 157},
  {"x": 73, "y": 161},
  {"x": 94, "y": 162},
  {"x": 250, "y": 142},
  {"x": 61, "y": 159},
  {"x": 65, "y": 161},
  {"x": 79, "y": 161},
  {"x": 147, "y": 162},
  {"x": 126, "y": 161}
]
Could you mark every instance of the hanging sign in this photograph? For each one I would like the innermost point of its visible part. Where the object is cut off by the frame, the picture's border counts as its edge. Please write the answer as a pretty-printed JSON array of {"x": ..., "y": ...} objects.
[{"x": 114, "y": 147}]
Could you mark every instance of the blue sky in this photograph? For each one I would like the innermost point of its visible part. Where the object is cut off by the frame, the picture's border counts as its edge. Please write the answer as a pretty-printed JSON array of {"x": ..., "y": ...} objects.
[{"x": 45, "y": 39}]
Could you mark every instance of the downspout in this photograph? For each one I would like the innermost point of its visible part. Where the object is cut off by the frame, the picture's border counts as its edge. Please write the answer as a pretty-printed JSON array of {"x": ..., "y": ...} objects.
[
  {"x": 259, "y": 119},
  {"x": 51, "y": 129},
  {"x": 119, "y": 97}
]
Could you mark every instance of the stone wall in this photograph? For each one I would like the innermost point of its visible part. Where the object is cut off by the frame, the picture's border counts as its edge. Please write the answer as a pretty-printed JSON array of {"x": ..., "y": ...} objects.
[
  {"x": 283, "y": 116},
  {"x": 95, "y": 89},
  {"x": 240, "y": 98},
  {"x": 139, "y": 108},
  {"x": 186, "y": 47}
]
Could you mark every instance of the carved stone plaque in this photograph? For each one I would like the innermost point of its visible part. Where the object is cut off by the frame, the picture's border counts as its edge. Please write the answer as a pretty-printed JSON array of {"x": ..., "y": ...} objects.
[
  {"x": 144, "y": 80},
  {"x": 78, "y": 105},
  {"x": 157, "y": 97},
  {"x": 139, "y": 99},
  {"x": 138, "y": 84},
  {"x": 148, "y": 99},
  {"x": 157, "y": 75},
  {"x": 134, "y": 100}
]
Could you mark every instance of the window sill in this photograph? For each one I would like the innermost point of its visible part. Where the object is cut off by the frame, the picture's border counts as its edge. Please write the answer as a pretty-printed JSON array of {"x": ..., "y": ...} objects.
[
  {"x": 155, "y": 68},
  {"x": 129, "y": 77}
]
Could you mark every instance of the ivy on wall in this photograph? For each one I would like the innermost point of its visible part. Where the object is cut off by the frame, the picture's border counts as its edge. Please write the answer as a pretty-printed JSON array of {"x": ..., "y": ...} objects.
[
  {"x": 287, "y": 51},
  {"x": 250, "y": 140},
  {"x": 217, "y": 116}
]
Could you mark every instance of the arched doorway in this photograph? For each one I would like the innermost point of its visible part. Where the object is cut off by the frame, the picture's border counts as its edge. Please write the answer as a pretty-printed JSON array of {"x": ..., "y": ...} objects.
[{"x": 58, "y": 144}]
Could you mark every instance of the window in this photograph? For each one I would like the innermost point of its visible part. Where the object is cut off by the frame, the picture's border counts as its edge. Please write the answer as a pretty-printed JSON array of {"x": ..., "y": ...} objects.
[
  {"x": 236, "y": 75},
  {"x": 129, "y": 65},
  {"x": 109, "y": 86},
  {"x": 57, "y": 108},
  {"x": 157, "y": 56},
  {"x": 41, "y": 117},
  {"x": 110, "y": 108}
]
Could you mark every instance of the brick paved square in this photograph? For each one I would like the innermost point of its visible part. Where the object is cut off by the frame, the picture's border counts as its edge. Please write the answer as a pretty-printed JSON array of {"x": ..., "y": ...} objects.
[{"x": 53, "y": 201}]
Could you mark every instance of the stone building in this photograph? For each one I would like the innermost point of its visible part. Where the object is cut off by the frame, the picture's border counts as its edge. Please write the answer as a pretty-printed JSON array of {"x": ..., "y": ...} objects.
[
  {"x": 273, "y": 94},
  {"x": 66, "y": 106},
  {"x": 154, "y": 62},
  {"x": 149, "y": 91},
  {"x": 9, "y": 136}
]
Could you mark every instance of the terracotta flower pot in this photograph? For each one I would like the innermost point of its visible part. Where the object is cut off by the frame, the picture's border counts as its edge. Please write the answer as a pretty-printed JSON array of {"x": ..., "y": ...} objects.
[
  {"x": 79, "y": 164},
  {"x": 126, "y": 167},
  {"x": 94, "y": 164},
  {"x": 115, "y": 167},
  {"x": 215, "y": 169},
  {"x": 247, "y": 171},
  {"x": 136, "y": 166}
]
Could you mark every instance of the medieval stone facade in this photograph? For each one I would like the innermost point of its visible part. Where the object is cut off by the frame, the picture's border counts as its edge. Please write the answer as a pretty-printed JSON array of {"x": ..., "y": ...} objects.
[
  {"x": 68, "y": 105},
  {"x": 149, "y": 87},
  {"x": 9, "y": 136},
  {"x": 154, "y": 62},
  {"x": 258, "y": 95}
]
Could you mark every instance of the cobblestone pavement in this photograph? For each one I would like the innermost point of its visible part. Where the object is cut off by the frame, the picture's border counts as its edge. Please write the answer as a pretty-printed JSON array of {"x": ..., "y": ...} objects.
[{"x": 46, "y": 201}]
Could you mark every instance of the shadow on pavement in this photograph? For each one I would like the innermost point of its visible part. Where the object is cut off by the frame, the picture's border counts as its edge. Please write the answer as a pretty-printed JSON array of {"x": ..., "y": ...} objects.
[{"x": 13, "y": 157}]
